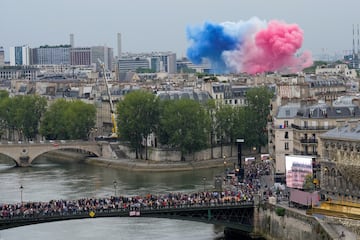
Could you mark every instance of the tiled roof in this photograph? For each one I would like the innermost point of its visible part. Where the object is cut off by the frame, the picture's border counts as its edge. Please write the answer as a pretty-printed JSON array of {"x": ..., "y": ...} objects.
[{"x": 349, "y": 131}]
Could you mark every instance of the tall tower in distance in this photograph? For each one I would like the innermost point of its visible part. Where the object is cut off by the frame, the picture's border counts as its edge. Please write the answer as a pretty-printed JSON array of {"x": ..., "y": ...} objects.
[
  {"x": 118, "y": 45},
  {"x": 2, "y": 56},
  {"x": 355, "y": 51},
  {"x": 72, "y": 40}
]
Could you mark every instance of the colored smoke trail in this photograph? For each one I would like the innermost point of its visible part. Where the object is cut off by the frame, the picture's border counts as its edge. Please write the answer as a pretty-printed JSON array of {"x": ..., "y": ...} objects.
[{"x": 253, "y": 46}]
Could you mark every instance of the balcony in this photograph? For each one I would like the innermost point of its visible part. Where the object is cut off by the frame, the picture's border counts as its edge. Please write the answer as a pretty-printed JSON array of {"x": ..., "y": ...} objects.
[
  {"x": 318, "y": 128},
  {"x": 305, "y": 153},
  {"x": 309, "y": 140}
]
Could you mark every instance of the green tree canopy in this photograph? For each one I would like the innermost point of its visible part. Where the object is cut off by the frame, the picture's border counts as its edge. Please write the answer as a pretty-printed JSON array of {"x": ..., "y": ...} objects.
[
  {"x": 68, "y": 120},
  {"x": 257, "y": 112},
  {"x": 185, "y": 124},
  {"x": 225, "y": 118},
  {"x": 309, "y": 183},
  {"x": 137, "y": 117},
  {"x": 21, "y": 114}
]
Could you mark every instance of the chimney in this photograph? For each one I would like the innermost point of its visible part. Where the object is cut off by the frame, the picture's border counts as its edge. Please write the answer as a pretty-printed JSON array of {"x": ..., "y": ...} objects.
[
  {"x": 72, "y": 40},
  {"x": 353, "y": 124},
  {"x": 340, "y": 123}
]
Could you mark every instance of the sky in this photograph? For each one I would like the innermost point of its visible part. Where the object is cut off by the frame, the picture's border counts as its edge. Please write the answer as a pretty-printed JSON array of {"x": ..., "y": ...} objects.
[{"x": 162, "y": 25}]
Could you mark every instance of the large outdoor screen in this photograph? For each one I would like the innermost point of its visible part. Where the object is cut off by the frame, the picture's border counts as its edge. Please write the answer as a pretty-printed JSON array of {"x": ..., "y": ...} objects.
[{"x": 297, "y": 168}]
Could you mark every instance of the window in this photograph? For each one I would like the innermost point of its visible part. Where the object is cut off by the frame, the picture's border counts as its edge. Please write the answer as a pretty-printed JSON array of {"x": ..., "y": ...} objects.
[
  {"x": 314, "y": 150},
  {"x": 286, "y": 146},
  {"x": 286, "y": 135},
  {"x": 286, "y": 124}
]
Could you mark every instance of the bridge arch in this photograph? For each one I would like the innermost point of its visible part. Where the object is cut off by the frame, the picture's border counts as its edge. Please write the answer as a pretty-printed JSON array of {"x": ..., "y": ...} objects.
[
  {"x": 8, "y": 158},
  {"x": 25, "y": 154},
  {"x": 90, "y": 151}
]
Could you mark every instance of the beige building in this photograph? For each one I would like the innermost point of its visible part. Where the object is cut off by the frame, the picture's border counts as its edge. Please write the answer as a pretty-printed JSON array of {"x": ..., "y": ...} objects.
[
  {"x": 281, "y": 135},
  {"x": 342, "y": 69},
  {"x": 306, "y": 106},
  {"x": 340, "y": 161},
  {"x": 295, "y": 130}
]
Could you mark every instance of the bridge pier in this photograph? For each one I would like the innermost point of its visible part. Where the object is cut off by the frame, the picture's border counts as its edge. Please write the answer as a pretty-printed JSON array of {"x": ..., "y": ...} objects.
[
  {"x": 256, "y": 233},
  {"x": 24, "y": 161}
]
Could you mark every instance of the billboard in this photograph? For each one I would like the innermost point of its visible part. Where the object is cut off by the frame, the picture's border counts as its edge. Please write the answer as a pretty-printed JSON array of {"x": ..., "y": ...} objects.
[
  {"x": 265, "y": 157},
  {"x": 297, "y": 168}
]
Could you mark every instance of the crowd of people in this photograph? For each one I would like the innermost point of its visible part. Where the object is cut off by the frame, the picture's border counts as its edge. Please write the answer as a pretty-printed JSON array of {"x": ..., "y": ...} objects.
[{"x": 233, "y": 192}]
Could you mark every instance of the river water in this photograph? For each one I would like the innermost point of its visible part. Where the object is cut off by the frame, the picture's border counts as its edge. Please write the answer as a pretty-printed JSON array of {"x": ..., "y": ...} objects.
[{"x": 48, "y": 179}]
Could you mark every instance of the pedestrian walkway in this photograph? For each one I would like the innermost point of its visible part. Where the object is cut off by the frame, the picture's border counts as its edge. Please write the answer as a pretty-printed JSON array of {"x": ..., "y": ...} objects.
[{"x": 157, "y": 166}]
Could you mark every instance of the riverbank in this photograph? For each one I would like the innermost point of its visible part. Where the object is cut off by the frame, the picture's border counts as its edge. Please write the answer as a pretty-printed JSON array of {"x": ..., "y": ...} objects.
[{"x": 156, "y": 166}]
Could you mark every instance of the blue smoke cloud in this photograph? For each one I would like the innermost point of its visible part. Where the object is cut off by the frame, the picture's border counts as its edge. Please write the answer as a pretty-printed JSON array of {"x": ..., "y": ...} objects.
[
  {"x": 210, "y": 41},
  {"x": 247, "y": 46}
]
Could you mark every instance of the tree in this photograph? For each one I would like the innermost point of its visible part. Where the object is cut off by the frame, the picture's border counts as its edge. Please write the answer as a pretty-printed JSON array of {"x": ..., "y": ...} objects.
[
  {"x": 68, "y": 120},
  {"x": 185, "y": 124},
  {"x": 81, "y": 118},
  {"x": 21, "y": 115},
  {"x": 210, "y": 108},
  {"x": 4, "y": 99},
  {"x": 257, "y": 112},
  {"x": 239, "y": 124},
  {"x": 138, "y": 116},
  {"x": 33, "y": 108},
  {"x": 309, "y": 183},
  {"x": 225, "y": 119}
]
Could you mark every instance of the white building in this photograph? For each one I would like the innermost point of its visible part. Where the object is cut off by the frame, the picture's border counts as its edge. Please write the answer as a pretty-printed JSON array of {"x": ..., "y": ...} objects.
[{"x": 19, "y": 55}]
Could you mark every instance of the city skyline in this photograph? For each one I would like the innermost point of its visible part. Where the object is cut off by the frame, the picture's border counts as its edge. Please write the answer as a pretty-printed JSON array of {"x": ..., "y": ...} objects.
[{"x": 161, "y": 25}]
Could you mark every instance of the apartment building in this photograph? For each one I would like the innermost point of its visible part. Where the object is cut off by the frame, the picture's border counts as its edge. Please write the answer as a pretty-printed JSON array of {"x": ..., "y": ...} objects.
[
  {"x": 295, "y": 130},
  {"x": 340, "y": 161},
  {"x": 336, "y": 69},
  {"x": 280, "y": 137},
  {"x": 18, "y": 72},
  {"x": 80, "y": 56},
  {"x": 20, "y": 55},
  {"x": 48, "y": 55}
]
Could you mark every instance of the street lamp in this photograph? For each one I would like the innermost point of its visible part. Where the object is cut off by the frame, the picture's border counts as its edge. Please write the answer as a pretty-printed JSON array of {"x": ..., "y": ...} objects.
[
  {"x": 239, "y": 141},
  {"x": 204, "y": 181},
  {"x": 224, "y": 157},
  {"x": 115, "y": 184},
  {"x": 21, "y": 193}
]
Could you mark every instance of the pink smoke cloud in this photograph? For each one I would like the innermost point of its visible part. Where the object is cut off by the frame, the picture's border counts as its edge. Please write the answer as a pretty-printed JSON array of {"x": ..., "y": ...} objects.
[
  {"x": 252, "y": 46},
  {"x": 274, "y": 48}
]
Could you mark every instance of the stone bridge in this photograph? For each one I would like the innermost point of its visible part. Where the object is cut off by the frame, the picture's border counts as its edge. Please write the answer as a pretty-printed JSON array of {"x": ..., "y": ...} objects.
[{"x": 25, "y": 153}]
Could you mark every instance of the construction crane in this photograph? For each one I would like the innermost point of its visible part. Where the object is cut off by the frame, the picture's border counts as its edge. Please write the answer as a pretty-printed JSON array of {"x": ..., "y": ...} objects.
[{"x": 113, "y": 136}]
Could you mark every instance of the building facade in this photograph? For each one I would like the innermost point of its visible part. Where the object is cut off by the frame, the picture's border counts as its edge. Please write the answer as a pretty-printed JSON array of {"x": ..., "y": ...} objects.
[
  {"x": 340, "y": 162},
  {"x": 18, "y": 72},
  {"x": 104, "y": 54},
  {"x": 48, "y": 55},
  {"x": 280, "y": 136},
  {"x": 295, "y": 130},
  {"x": 80, "y": 56},
  {"x": 20, "y": 55}
]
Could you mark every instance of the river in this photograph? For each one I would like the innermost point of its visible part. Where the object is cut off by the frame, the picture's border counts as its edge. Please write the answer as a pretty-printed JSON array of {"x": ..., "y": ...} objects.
[{"x": 48, "y": 179}]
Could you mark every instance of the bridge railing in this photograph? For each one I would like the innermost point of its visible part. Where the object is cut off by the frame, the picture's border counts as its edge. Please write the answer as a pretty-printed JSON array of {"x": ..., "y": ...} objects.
[
  {"x": 48, "y": 142},
  {"x": 19, "y": 215}
]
